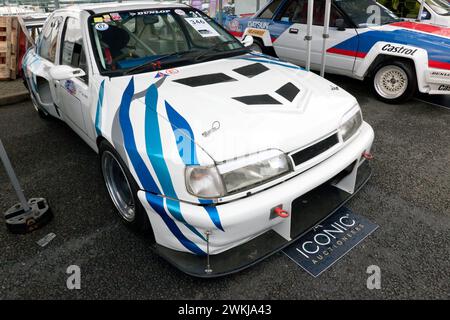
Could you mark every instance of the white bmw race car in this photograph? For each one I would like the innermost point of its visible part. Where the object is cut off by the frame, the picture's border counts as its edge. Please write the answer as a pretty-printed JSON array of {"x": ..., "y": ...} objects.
[
  {"x": 366, "y": 41},
  {"x": 225, "y": 155}
]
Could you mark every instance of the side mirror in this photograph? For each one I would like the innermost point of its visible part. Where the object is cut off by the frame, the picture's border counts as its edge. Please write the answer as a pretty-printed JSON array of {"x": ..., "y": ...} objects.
[
  {"x": 340, "y": 24},
  {"x": 248, "y": 41},
  {"x": 64, "y": 72},
  {"x": 425, "y": 15}
]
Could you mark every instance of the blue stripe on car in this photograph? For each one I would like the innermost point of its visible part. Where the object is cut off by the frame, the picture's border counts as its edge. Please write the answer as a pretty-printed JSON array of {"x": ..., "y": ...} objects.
[
  {"x": 189, "y": 157},
  {"x": 141, "y": 169},
  {"x": 98, "y": 115},
  {"x": 155, "y": 153},
  {"x": 143, "y": 174},
  {"x": 157, "y": 203},
  {"x": 437, "y": 47},
  {"x": 264, "y": 60}
]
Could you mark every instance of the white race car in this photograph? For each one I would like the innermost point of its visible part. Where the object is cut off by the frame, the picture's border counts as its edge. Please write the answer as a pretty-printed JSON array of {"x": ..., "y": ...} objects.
[
  {"x": 366, "y": 41},
  {"x": 225, "y": 155}
]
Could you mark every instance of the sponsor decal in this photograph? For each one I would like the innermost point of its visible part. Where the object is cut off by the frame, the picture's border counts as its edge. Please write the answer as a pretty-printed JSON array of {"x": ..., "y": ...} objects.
[
  {"x": 165, "y": 73},
  {"x": 444, "y": 87},
  {"x": 98, "y": 19},
  {"x": 115, "y": 16},
  {"x": 326, "y": 243},
  {"x": 399, "y": 49},
  {"x": 101, "y": 26},
  {"x": 106, "y": 18},
  {"x": 256, "y": 32},
  {"x": 202, "y": 27},
  {"x": 258, "y": 24},
  {"x": 234, "y": 25},
  {"x": 440, "y": 74},
  {"x": 180, "y": 12},
  {"x": 148, "y": 12},
  {"x": 69, "y": 85}
]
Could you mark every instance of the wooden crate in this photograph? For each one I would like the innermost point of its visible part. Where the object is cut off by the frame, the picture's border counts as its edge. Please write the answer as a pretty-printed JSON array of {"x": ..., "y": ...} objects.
[{"x": 9, "y": 35}]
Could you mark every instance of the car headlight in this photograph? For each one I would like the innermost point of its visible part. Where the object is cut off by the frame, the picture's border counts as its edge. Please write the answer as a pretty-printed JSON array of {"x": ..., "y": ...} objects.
[
  {"x": 236, "y": 175},
  {"x": 351, "y": 122}
]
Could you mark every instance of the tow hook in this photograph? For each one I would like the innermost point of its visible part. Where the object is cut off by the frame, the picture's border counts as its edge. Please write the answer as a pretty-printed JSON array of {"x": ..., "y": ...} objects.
[
  {"x": 368, "y": 156},
  {"x": 281, "y": 213}
]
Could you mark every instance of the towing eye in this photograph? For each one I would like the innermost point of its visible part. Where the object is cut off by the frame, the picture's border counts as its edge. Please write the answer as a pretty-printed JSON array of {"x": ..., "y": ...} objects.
[{"x": 281, "y": 213}]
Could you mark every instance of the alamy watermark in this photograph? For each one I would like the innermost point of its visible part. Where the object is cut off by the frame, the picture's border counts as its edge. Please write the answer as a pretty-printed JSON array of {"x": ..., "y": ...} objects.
[
  {"x": 374, "y": 280},
  {"x": 73, "y": 282}
]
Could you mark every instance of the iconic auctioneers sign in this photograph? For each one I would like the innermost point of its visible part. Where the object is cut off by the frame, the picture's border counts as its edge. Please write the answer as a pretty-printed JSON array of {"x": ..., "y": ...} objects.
[{"x": 321, "y": 247}]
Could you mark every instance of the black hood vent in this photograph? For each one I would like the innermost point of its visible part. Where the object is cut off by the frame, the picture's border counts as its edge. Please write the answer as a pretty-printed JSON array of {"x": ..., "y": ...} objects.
[
  {"x": 251, "y": 70},
  {"x": 258, "y": 100},
  {"x": 205, "y": 80},
  {"x": 288, "y": 91}
]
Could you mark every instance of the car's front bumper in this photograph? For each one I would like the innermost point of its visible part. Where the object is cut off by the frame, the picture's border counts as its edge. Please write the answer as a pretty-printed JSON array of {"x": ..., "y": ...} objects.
[{"x": 249, "y": 232}]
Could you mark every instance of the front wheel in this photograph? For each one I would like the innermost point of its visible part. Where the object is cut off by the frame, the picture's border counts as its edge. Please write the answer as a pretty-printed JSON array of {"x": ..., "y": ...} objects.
[
  {"x": 122, "y": 189},
  {"x": 394, "y": 82}
]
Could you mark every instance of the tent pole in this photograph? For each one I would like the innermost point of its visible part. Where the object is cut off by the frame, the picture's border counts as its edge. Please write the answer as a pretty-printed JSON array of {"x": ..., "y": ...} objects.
[
  {"x": 221, "y": 12},
  {"x": 308, "y": 36},
  {"x": 12, "y": 176},
  {"x": 326, "y": 35}
]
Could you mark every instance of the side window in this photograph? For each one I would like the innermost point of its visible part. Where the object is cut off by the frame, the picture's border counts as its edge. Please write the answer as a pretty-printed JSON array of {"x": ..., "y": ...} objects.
[
  {"x": 49, "y": 39},
  {"x": 297, "y": 12},
  {"x": 72, "y": 53},
  {"x": 269, "y": 12}
]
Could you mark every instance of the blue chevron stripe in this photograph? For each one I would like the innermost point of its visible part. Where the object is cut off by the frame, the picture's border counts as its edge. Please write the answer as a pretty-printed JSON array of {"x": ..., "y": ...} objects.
[
  {"x": 130, "y": 144},
  {"x": 157, "y": 204},
  {"x": 98, "y": 115},
  {"x": 190, "y": 158},
  {"x": 155, "y": 153},
  {"x": 155, "y": 201}
]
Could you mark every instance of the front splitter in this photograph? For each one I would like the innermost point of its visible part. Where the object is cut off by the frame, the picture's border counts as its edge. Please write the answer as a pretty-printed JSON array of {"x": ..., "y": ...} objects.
[{"x": 308, "y": 210}]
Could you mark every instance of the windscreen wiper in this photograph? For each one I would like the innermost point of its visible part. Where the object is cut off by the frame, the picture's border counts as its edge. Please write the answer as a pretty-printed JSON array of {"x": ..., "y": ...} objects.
[
  {"x": 204, "y": 53},
  {"x": 155, "y": 61}
]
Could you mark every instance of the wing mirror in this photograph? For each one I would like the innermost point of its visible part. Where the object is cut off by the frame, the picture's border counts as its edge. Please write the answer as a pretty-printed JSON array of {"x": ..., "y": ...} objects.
[
  {"x": 64, "y": 72},
  {"x": 340, "y": 24},
  {"x": 248, "y": 41}
]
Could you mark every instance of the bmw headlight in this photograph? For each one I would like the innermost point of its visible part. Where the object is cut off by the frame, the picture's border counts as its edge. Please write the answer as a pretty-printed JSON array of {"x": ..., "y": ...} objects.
[
  {"x": 236, "y": 175},
  {"x": 351, "y": 122}
]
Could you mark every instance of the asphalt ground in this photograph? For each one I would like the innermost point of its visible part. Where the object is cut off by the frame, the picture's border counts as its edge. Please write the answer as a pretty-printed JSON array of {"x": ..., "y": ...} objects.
[{"x": 408, "y": 197}]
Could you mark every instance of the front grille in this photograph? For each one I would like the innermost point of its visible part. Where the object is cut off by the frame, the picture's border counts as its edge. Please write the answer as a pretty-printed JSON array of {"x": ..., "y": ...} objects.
[{"x": 315, "y": 150}]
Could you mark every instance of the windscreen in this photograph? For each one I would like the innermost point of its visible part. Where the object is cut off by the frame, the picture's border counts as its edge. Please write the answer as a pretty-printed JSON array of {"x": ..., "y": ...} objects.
[{"x": 126, "y": 40}]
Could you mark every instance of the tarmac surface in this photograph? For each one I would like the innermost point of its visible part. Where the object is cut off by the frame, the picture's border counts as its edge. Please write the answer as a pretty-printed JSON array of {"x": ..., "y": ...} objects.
[{"x": 408, "y": 197}]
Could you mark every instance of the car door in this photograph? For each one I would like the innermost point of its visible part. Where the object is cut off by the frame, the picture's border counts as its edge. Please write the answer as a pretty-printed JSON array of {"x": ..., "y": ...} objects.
[
  {"x": 291, "y": 44},
  {"x": 38, "y": 63},
  {"x": 73, "y": 93}
]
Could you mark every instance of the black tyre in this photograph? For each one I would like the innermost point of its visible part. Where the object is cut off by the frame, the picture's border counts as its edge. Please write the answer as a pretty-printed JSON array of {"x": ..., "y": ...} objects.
[
  {"x": 394, "y": 82},
  {"x": 122, "y": 189}
]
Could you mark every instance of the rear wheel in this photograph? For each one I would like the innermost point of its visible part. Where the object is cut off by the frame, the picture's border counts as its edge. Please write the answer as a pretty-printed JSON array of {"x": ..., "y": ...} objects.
[
  {"x": 394, "y": 82},
  {"x": 122, "y": 189}
]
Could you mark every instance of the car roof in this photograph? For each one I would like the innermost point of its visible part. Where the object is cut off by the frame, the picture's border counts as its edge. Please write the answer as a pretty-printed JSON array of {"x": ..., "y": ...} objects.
[{"x": 121, "y": 6}]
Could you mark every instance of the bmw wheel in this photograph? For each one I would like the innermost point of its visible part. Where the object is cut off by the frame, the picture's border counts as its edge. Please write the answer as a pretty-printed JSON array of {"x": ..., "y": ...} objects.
[
  {"x": 122, "y": 189},
  {"x": 395, "y": 82}
]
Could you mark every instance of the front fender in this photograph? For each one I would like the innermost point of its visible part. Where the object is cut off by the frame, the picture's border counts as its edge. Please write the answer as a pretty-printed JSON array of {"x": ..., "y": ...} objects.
[{"x": 418, "y": 56}]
